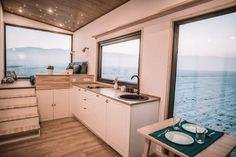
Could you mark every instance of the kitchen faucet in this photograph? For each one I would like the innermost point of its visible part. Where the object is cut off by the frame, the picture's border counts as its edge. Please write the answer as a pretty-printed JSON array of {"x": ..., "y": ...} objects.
[{"x": 138, "y": 88}]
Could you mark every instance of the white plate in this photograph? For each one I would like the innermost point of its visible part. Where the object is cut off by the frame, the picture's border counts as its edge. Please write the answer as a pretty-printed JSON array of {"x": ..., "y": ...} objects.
[
  {"x": 192, "y": 127},
  {"x": 179, "y": 137}
]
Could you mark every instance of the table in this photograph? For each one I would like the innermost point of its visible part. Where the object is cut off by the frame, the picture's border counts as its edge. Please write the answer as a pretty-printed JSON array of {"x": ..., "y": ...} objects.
[{"x": 220, "y": 148}]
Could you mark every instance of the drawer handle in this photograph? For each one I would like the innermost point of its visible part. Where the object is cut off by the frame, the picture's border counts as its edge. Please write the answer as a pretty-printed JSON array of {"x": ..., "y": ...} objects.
[
  {"x": 85, "y": 99},
  {"x": 85, "y": 108},
  {"x": 107, "y": 101}
]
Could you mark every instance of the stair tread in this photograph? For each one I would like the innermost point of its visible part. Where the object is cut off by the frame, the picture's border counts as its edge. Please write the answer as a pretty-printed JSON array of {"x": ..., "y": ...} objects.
[
  {"x": 17, "y": 139},
  {"x": 19, "y": 129},
  {"x": 17, "y": 96},
  {"x": 25, "y": 116},
  {"x": 2, "y": 107}
]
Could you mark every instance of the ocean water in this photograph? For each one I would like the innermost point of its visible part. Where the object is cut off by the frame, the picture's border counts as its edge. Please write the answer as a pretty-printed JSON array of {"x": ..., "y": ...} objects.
[
  {"x": 27, "y": 61},
  {"x": 32, "y": 70},
  {"x": 207, "y": 98}
]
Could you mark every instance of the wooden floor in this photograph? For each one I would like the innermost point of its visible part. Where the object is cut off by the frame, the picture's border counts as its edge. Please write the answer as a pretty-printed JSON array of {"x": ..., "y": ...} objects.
[{"x": 65, "y": 137}]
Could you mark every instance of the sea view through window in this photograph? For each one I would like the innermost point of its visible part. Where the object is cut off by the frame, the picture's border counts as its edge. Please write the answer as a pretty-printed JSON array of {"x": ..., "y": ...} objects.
[
  {"x": 205, "y": 88},
  {"x": 30, "y": 51}
]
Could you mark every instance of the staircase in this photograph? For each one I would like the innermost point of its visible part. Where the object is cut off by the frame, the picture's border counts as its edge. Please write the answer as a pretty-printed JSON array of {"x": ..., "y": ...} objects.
[{"x": 19, "y": 118}]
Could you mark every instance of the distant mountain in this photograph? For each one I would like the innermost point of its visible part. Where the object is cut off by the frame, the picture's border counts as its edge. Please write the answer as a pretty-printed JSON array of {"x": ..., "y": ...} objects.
[
  {"x": 124, "y": 60},
  {"x": 35, "y": 50},
  {"x": 35, "y": 56}
]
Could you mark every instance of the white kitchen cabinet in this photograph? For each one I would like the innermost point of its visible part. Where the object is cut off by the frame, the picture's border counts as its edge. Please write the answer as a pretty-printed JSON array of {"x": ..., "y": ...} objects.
[
  {"x": 118, "y": 122},
  {"x": 75, "y": 101},
  {"x": 113, "y": 121},
  {"x": 61, "y": 103},
  {"x": 53, "y": 104},
  {"x": 45, "y": 103},
  {"x": 90, "y": 109},
  {"x": 97, "y": 106}
]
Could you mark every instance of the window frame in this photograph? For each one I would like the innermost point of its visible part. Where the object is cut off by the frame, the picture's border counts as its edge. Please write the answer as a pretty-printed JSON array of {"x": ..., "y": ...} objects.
[
  {"x": 119, "y": 39},
  {"x": 175, "y": 50},
  {"x": 32, "y": 28}
]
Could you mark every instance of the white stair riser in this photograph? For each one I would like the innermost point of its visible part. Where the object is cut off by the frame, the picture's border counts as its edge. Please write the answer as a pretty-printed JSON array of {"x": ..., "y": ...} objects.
[
  {"x": 16, "y": 92},
  {"x": 19, "y": 123},
  {"x": 18, "y": 111},
  {"x": 18, "y": 101}
]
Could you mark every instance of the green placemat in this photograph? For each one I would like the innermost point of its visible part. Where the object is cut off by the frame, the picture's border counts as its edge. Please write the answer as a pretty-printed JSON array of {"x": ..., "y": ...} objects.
[{"x": 189, "y": 150}]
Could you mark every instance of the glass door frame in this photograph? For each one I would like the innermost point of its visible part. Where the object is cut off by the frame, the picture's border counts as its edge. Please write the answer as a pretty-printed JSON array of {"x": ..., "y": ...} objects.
[{"x": 175, "y": 50}]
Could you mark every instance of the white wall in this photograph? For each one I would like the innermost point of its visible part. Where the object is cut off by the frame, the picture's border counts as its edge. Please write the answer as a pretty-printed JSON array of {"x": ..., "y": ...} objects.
[
  {"x": 1, "y": 43},
  {"x": 156, "y": 41}
]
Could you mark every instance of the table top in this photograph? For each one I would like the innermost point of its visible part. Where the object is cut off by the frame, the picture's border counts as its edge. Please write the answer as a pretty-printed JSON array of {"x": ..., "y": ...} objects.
[{"x": 220, "y": 148}]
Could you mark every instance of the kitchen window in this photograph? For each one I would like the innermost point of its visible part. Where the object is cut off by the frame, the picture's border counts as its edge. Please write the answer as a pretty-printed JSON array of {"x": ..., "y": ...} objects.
[
  {"x": 119, "y": 58},
  {"x": 29, "y": 51}
]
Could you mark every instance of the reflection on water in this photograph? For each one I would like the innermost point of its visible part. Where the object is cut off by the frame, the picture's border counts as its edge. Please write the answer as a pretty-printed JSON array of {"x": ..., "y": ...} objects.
[{"x": 207, "y": 98}]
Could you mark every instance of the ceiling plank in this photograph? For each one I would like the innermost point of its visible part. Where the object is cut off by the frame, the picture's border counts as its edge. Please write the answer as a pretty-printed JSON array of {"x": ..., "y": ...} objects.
[{"x": 65, "y": 14}]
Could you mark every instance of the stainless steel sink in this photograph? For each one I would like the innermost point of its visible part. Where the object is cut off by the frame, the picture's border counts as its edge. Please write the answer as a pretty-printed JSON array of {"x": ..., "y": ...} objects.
[
  {"x": 134, "y": 97},
  {"x": 94, "y": 87}
]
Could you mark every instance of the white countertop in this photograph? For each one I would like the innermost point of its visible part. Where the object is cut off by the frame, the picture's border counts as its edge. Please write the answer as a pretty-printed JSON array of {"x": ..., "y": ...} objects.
[{"x": 114, "y": 94}]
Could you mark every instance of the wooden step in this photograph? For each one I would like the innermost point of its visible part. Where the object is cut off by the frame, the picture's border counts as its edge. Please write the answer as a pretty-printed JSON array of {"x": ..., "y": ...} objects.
[
  {"x": 19, "y": 136},
  {"x": 16, "y": 93},
  {"x": 19, "y": 117},
  {"x": 19, "y": 130},
  {"x": 17, "y": 101},
  {"x": 18, "y": 112},
  {"x": 17, "y": 106},
  {"x": 16, "y": 96},
  {"x": 19, "y": 123}
]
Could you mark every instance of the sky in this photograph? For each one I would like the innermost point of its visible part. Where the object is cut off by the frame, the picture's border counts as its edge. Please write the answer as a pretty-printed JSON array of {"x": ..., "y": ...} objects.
[
  {"x": 23, "y": 37},
  {"x": 127, "y": 47},
  {"x": 123, "y": 54},
  {"x": 210, "y": 37},
  {"x": 208, "y": 45}
]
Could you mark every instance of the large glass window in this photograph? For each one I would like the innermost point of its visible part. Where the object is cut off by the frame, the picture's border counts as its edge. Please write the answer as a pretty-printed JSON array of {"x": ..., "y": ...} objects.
[
  {"x": 119, "y": 57},
  {"x": 205, "y": 80},
  {"x": 30, "y": 51}
]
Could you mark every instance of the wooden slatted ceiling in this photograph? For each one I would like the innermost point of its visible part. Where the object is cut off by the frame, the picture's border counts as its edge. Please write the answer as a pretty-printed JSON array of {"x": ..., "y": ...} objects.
[{"x": 66, "y": 14}]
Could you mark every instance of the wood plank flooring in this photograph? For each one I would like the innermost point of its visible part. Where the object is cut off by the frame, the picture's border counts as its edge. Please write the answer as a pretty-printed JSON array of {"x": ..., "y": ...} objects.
[{"x": 60, "y": 138}]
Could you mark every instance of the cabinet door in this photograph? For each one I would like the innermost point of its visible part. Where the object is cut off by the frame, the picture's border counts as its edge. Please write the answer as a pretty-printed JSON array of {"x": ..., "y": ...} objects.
[
  {"x": 74, "y": 101},
  {"x": 61, "y": 102},
  {"x": 83, "y": 109},
  {"x": 45, "y": 103},
  {"x": 118, "y": 124},
  {"x": 78, "y": 103},
  {"x": 72, "y": 97},
  {"x": 97, "y": 107}
]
